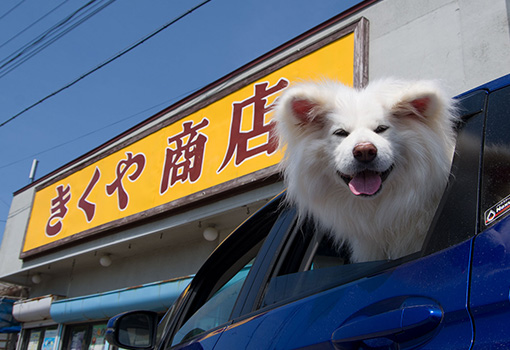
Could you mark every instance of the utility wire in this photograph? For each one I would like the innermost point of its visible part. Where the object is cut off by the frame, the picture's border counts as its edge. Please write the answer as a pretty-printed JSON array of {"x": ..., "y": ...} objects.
[
  {"x": 22, "y": 60},
  {"x": 46, "y": 33},
  {"x": 108, "y": 61},
  {"x": 12, "y": 9},
  {"x": 48, "y": 37},
  {"x": 32, "y": 24},
  {"x": 98, "y": 129},
  {"x": 7, "y": 205}
]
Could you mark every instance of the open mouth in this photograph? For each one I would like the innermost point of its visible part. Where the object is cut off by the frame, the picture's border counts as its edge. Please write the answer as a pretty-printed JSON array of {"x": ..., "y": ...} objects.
[{"x": 367, "y": 182}]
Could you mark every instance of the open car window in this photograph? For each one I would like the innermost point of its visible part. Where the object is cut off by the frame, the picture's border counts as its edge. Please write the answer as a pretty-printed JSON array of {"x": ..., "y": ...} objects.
[
  {"x": 312, "y": 263},
  {"x": 216, "y": 311},
  {"x": 326, "y": 267},
  {"x": 215, "y": 290}
]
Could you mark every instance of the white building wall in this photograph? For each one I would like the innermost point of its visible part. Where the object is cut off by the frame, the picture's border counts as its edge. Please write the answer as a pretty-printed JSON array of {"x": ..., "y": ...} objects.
[
  {"x": 464, "y": 43},
  {"x": 15, "y": 227}
]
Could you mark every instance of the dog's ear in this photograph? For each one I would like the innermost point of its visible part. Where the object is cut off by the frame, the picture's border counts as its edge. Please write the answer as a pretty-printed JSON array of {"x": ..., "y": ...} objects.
[
  {"x": 306, "y": 111},
  {"x": 424, "y": 100},
  {"x": 422, "y": 106},
  {"x": 303, "y": 108}
]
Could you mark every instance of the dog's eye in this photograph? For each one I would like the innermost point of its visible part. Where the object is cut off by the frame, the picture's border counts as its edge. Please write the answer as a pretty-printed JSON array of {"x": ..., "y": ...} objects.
[
  {"x": 381, "y": 128},
  {"x": 341, "y": 133}
]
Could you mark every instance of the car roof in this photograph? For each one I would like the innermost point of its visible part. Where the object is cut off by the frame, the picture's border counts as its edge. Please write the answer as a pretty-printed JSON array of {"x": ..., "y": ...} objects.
[{"x": 490, "y": 86}]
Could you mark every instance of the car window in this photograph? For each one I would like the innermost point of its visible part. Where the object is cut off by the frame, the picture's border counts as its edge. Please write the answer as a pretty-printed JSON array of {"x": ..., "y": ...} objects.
[
  {"x": 215, "y": 311},
  {"x": 496, "y": 159},
  {"x": 215, "y": 290},
  {"x": 312, "y": 262},
  {"x": 457, "y": 215}
]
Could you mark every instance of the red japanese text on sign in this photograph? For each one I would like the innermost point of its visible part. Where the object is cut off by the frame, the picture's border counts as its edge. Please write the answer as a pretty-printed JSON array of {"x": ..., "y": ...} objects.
[
  {"x": 238, "y": 144},
  {"x": 58, "y": 210},
  {"x": 185, "y": 156},
  {"x": 89, "y": 208},
  {"x": 122, "y": 168}
]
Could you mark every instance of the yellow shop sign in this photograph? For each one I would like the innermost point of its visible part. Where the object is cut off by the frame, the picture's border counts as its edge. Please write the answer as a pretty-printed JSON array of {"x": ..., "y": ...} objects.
[{"x": 211, "y": 146}]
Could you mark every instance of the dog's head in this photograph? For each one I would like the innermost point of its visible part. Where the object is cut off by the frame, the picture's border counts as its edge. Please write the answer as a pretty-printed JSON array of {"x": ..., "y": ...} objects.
[{"x": 362, "y": 137}]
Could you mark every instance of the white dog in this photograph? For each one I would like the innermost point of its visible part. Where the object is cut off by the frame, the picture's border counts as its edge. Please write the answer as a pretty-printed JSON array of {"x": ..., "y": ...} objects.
[{"x": 369, "y": 165}]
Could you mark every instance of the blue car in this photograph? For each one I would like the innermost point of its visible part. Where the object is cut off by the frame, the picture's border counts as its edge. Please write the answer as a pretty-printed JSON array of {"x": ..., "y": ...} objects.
[{"x": 275, "y": 283}]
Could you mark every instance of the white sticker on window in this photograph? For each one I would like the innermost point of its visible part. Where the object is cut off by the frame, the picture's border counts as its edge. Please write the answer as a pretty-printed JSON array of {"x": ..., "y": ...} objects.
[{"x": 497, "y": 210}]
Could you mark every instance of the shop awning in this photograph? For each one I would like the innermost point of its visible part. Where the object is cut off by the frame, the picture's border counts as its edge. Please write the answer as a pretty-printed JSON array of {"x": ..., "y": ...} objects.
[
  {"x": 32, "y": 310},
  {"x": 7, "y": 322},
  {"x": 13, "y": 329},
  {"x": 158, "y": 296}
]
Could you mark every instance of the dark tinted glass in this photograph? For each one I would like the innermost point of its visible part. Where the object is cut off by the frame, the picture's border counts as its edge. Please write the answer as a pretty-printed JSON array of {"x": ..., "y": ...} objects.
[{"x": 495, "y": 195}]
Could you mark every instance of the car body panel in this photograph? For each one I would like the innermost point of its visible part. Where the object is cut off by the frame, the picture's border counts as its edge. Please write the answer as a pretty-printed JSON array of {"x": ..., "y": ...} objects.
[
  {"x": 490, "y": 287},
  {"x": 311, "y": 322}
]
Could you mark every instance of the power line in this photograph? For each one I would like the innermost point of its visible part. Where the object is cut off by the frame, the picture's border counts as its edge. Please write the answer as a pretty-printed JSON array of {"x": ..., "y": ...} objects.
[
  {"x": 7, "y": 205},
  {"x": 51, "y": 35},
  {"x": 33, "y": 23},
  {"x": 22, "y": 60},
  {"x": 97, "y": 130},
  {"x": 108, "y": 61},
  {"x": 45, "y": 33},
  {"x": 12, "y": 9}
]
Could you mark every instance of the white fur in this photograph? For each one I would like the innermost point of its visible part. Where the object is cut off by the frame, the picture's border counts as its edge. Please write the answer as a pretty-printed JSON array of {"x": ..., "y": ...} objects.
[{"x": 419, "y": 144}]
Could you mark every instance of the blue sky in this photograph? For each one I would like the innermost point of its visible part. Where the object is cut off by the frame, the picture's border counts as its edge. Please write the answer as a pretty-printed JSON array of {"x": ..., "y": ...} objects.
[{"x": 217, "y": 38}]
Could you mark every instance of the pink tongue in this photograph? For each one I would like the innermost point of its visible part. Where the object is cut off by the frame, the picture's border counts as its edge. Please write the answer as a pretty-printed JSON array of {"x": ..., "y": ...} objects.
[{"x": 367, "y": 183}]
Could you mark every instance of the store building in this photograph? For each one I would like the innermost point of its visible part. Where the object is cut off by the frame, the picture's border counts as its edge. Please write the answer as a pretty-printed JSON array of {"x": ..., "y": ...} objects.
[{"x": 127, "y": 225}]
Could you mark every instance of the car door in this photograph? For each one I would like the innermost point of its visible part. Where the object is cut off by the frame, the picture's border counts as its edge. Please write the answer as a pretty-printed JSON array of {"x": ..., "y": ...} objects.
[
  {"x": 310, "y": 297},
  {"x": 489, "y": 293}
]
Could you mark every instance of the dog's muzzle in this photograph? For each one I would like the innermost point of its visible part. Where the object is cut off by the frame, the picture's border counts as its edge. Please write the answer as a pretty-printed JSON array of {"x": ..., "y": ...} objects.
[
  {"x": 366, "y": 182},
  {"x": 364, "y": 152}
]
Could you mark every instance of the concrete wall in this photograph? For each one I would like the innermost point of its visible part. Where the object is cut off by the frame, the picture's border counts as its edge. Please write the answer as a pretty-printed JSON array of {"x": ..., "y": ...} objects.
[
  {"x": 12, "y": 241},
  {"x": 160, "y": 264},
  {"x": 464, "y": 43}
]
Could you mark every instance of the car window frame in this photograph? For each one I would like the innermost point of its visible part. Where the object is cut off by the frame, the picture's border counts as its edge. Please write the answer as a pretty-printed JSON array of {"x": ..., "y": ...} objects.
[
  {"x": 219, "y": 303},
  {"x": 473, "y": 109},
  {"x": 494, "y": 116},
  {"x": 194, "y": 297}
]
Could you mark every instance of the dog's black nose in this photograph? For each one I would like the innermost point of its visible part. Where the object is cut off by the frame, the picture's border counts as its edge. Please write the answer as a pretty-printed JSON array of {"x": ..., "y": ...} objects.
[{"x": 364, "y": 152}]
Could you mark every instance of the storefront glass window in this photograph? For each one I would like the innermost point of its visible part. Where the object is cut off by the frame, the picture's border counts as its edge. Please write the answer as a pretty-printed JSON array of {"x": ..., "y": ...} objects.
[
  {"x": 40, "y": 338},
  {"x": 97, "y": 338},
  {"x": 78, "y": 338},
  {"x": 33, "y": 340},
  {"x": 50, "y": 339},
  {"x": 85, "y": 337}
]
